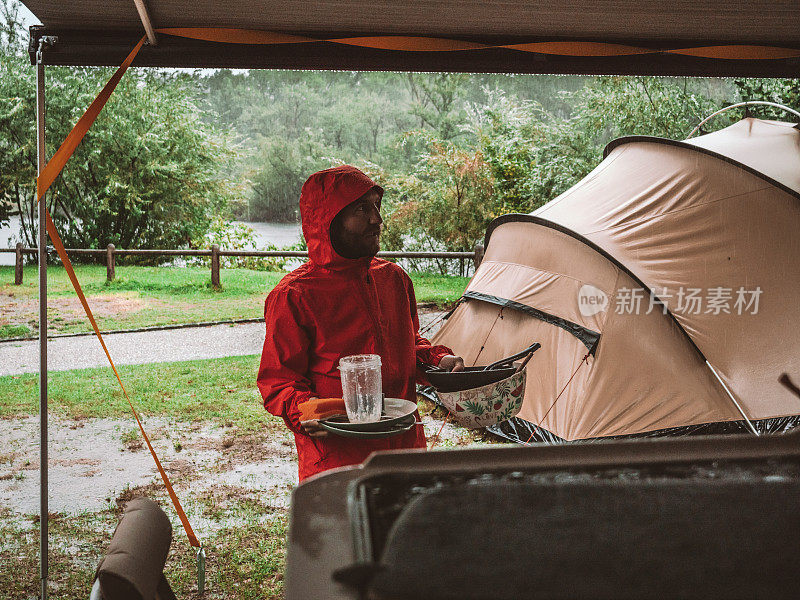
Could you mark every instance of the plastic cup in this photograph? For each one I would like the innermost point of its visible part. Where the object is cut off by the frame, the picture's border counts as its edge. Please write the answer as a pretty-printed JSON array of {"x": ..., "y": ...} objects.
[{"x": 362, "y": 387}]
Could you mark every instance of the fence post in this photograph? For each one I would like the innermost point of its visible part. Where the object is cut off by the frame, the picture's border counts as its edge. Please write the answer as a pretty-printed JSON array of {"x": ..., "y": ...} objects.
[
  {"x": 478, "y": 259},
  {"x": 215, "y": 266},
  {"x": 18, "y": 265},
  {"x": 110, "y": 263}
]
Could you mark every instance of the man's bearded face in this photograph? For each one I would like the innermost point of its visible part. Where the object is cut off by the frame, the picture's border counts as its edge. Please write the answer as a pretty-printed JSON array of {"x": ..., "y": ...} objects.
[{"x": 356, "y": 230}]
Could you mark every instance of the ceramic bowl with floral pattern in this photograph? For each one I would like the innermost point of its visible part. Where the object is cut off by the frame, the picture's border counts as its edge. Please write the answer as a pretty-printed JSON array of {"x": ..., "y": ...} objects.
[{"x": 486, "y": 405}]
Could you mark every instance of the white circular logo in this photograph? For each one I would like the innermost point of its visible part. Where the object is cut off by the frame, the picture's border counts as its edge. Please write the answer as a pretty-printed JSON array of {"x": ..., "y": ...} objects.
[{"x": 591, "y": 300}]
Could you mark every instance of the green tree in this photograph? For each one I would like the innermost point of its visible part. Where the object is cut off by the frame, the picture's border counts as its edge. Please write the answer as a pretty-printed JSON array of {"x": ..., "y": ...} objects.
[
  {"x": 277, "y": 116},
  {"x": 437, "y": 101},
  {"x": 283, "y": 167},
  {"x": 14, "y": 151},
  {"x": 612, "y": 107},
  {"x": 780, "y": 91},
  {"x": 296, "y": 123},
  {"x": 444, "y": 204},
  {"x": 535, "y": 155},
  {"x": 146, "y": 174}
]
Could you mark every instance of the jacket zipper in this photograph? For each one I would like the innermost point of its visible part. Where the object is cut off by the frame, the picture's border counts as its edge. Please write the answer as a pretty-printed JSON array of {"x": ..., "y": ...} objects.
[{"x": 369, "y": 296}]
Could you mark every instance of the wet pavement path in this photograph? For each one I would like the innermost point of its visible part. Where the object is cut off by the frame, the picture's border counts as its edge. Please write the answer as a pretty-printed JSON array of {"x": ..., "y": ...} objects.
[
  {"x": 82, "y": 352},
  {"x": 190, "y": 343}
]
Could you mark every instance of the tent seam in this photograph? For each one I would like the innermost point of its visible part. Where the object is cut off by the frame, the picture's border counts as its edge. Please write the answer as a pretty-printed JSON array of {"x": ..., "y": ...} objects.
[
  {"x": 511, "y": 264},
  {"x": 619, "y": 142},
  {"x": 674, "y": 212}
]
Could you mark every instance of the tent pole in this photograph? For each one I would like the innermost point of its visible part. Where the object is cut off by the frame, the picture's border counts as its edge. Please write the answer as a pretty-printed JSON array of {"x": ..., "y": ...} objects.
[
  {"x": 43, "y": 465},
  {"x": 732, "y": 397},
  {"x": 146, "y": 22}
]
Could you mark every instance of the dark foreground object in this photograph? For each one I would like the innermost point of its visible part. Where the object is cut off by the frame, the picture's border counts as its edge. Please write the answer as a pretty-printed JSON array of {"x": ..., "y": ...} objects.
[
  {"x": 709, "y": 517},
  {"x": 132, "y": 568},
  {"x": 633, "y": 535}
]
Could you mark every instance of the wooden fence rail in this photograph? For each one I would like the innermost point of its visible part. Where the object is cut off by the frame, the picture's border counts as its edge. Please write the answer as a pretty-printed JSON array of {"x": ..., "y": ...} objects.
[{"x": 215, "y": 253}]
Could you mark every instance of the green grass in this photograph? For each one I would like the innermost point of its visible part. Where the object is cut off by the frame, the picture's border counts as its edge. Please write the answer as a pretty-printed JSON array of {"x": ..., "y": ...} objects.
[
  {"x": 439, "y": 289},
  {"x": 243, "y": 562},
  {"x": 245, "y": 553},
  {"x": 151, "y": 296},
  {"x": 10, "y": 331},
  {"x": 220, "y": 390}
]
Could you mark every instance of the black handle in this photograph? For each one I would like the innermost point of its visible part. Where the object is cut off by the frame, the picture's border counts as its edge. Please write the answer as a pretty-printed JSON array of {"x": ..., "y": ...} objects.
[{"x": 508, "y": 361}]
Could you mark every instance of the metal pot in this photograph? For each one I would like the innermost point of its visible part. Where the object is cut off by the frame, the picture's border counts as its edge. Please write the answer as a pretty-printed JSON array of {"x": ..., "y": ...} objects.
[{"x": 474, "y": 377}]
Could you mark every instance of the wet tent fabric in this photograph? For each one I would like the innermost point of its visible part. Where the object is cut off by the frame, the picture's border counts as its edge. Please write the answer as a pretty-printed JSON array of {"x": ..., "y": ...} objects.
[
  {"x": 657, "y": 216},
  {"x": 644, "y": 352}
]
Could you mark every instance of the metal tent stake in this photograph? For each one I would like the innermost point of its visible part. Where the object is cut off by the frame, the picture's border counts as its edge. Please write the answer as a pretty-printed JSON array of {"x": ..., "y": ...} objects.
[{"x": 201, "y": 570}]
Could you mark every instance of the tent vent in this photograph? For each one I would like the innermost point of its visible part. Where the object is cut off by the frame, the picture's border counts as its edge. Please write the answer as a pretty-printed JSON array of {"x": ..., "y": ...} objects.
[{"x": 588, "y": 337}]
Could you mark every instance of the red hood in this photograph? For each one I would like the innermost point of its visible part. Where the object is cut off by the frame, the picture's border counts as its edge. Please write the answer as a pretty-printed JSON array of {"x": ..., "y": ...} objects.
[{"x": 324, "y": 194}]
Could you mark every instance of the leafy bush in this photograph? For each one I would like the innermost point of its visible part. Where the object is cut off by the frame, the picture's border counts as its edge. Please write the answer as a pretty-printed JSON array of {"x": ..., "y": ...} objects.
[
  {"x": 780, "y": 91},
  {"x": 444, "y": 204},
  {"x": 149, "y": 174}
]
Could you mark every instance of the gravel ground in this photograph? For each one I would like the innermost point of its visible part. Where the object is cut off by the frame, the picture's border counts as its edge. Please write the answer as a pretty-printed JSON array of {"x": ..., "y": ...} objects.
[{"x": 82, "y": 352}]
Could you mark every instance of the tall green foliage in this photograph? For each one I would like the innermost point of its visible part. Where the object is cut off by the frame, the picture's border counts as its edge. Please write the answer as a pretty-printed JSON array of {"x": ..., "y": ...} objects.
[
  {"x": 436, "y": 101},
  {"x": 780, "y": 91},
  {"x": 147, "y": 175},
  {"x": 289, "y": 123},
  {"x": 444, "y": 204},
  {"x": 535, "y": 155},
  {"x": 283, "y": 166},
  {"x": 14, "y": 149}
]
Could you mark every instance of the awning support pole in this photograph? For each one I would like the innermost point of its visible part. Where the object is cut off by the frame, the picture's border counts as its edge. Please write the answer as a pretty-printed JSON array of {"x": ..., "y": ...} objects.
[
  {"x": 732, "y": 397},
  {"x": 43, "y": 484},
  {"x": 146, "y": 22}
]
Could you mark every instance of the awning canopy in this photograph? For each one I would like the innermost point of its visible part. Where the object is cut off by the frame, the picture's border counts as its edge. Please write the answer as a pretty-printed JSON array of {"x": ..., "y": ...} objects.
[{"x": 624, "y": 36}]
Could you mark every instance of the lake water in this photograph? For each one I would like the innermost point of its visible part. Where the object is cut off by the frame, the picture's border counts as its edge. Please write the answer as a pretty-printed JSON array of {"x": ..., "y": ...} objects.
[
  {"x": 9, "y": 236},
  {"x": 277, "y": 234}
]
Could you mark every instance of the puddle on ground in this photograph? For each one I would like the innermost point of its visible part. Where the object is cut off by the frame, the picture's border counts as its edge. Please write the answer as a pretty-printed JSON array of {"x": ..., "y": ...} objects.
[
  {"x": 272, "y": 477},
  {"x": 94, "y": 461}
]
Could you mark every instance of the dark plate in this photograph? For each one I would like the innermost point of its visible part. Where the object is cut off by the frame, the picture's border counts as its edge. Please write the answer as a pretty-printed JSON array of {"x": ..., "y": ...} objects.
[
  {"x": 404, "y": 425},
  {"x": 470, "y": 377},
  {"x": 395, "y": 410}
]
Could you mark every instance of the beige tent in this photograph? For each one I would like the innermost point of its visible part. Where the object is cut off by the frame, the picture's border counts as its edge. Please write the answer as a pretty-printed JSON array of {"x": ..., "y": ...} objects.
[{"x": 664, "y": 288}]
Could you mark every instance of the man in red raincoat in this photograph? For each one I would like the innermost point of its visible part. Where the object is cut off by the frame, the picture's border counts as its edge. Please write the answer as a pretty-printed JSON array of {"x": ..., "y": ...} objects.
[{"x": 343, "y": 301}]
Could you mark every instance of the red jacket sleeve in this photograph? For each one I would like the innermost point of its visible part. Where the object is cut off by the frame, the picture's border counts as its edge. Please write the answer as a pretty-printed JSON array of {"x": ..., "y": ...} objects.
[
  {"x": 426, "y": 353},
  {"x": 284, "y": 359}
]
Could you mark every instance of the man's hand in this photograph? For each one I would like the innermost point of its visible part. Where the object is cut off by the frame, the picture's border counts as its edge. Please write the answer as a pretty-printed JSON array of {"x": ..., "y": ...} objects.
[
  {"x": 313, "y": 429},
  {"x": 451, "y": 363}
]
